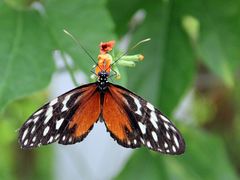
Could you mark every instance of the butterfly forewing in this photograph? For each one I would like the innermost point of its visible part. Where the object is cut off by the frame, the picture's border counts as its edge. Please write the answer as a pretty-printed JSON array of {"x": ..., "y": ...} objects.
[
  {"x": 149, "y": 127},
  {"x": 59, "y": 120}
]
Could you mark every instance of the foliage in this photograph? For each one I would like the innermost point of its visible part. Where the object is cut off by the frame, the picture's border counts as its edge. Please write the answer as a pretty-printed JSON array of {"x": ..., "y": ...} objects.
[
  {"x": 13, "y": 158},
  {"x": 188, "y": 39},
  {"x": 204, "y": 158},
  {"x": 29, "y": 39}
]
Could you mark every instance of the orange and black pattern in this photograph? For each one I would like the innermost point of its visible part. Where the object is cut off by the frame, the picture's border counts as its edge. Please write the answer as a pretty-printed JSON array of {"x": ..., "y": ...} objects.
[{"x": 131, "y": 121}]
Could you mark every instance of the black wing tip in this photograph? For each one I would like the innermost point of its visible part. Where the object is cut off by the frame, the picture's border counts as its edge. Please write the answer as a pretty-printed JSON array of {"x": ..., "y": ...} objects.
[
  {"x": 179, "y": 151},
  {"x": 27, "y": 146},
  {"x": 124, "y": 144}
]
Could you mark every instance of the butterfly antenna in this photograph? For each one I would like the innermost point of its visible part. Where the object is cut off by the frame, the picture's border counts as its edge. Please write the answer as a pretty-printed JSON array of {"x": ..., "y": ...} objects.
[
  {"x": 80, "y": 45},
  {"x": 133, "y": 47}
]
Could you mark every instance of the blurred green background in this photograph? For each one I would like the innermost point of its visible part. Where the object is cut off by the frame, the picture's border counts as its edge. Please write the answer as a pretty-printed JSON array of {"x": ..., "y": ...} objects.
[{"x": 191, "y": 72}]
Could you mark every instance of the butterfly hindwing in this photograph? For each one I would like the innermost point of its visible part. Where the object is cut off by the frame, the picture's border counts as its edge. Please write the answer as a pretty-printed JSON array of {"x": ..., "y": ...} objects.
[
  {"x": 148, "y": 126},
  {"x": 117, "y": 121},
  {"x": 63, "y": 119}
]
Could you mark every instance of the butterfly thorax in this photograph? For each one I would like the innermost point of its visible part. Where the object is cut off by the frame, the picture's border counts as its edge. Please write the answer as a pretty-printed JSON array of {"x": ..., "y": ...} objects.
[{"x": 103, "y": 80}]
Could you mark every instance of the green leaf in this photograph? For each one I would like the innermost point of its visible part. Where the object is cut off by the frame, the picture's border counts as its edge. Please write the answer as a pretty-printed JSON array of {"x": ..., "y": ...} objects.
[
  {"x": 25, "y": 54},
  {"x": 88, "y": 21},
  {"x": 122, "y": 11},
  {"x": 205, "y": 158},
  {"x": 219, "y": 40},
  {"x": 217, "y": 44},
  {"x": 28, "y": 40},
  {"x": 11, "y": 163},
  {"x": 168, "y": 68}
]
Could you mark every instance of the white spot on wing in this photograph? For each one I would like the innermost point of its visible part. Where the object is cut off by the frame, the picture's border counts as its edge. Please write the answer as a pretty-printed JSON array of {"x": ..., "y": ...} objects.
[
  {"x": 154, "y": 136},
  {"x": 38, "y": 112},
  {"x": 153, "y": 119},
  {"x": 142, "y": 127},
  {"x": 48, "y": 115},
  {"x": 35, "y": 119},
  {"x": 135, "y": 141},
  {"x": 150, "y": 106},
  {"x": 24, "y": 134},
  {"x": 149, "y": 144},
  {"x": 30, "y": 120},
  {"x": 173, "y": 129},
  {"x": 59, "y": 123},
  {"x": 168, "y": 136},
  {"x": 34, "y": 139},
  {"x": 57, "y": 136},
  {"x": 33, "y": 129},
  {"x": 137, "y": 102},
  {"x": 49, "y": 111},
  {"x": 165, "y": 145},
  {"x": 65, "y": 102},
  {"x": 50, "y": 139},
  {"x": 164, "y": 118},
  {"x": 53, "y": 102},
  {"x": 176, "y": 141},
  {"x": 173, "y": 148},
  {"x": 166, "y": 125},
  {"x": 25, "y": 142},
  {"x": 46, "y": 131}
]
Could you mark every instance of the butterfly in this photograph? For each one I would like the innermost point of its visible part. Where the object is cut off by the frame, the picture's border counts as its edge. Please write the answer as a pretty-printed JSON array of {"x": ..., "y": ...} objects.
[{"x": 132, "y": 121}]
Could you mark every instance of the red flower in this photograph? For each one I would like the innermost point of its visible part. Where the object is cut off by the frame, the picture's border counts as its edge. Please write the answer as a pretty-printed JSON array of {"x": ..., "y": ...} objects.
[{"x": 105, "y": 47}]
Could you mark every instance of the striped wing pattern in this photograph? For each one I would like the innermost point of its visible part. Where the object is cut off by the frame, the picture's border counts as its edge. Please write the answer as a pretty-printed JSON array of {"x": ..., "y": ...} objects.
[
  {"x": 51, "y": 123},
  {"x": 150, "y": 127},
  {"x": 131, "y": 121}
]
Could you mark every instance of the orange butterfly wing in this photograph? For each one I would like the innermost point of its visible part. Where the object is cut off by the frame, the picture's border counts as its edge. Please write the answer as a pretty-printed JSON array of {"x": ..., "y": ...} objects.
[
  {"x": 117, "y": 119},
  {"x": 134, "y": 122},
  {"x": 66, "y": 119},
  {"x": 86, "y": 115}
]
